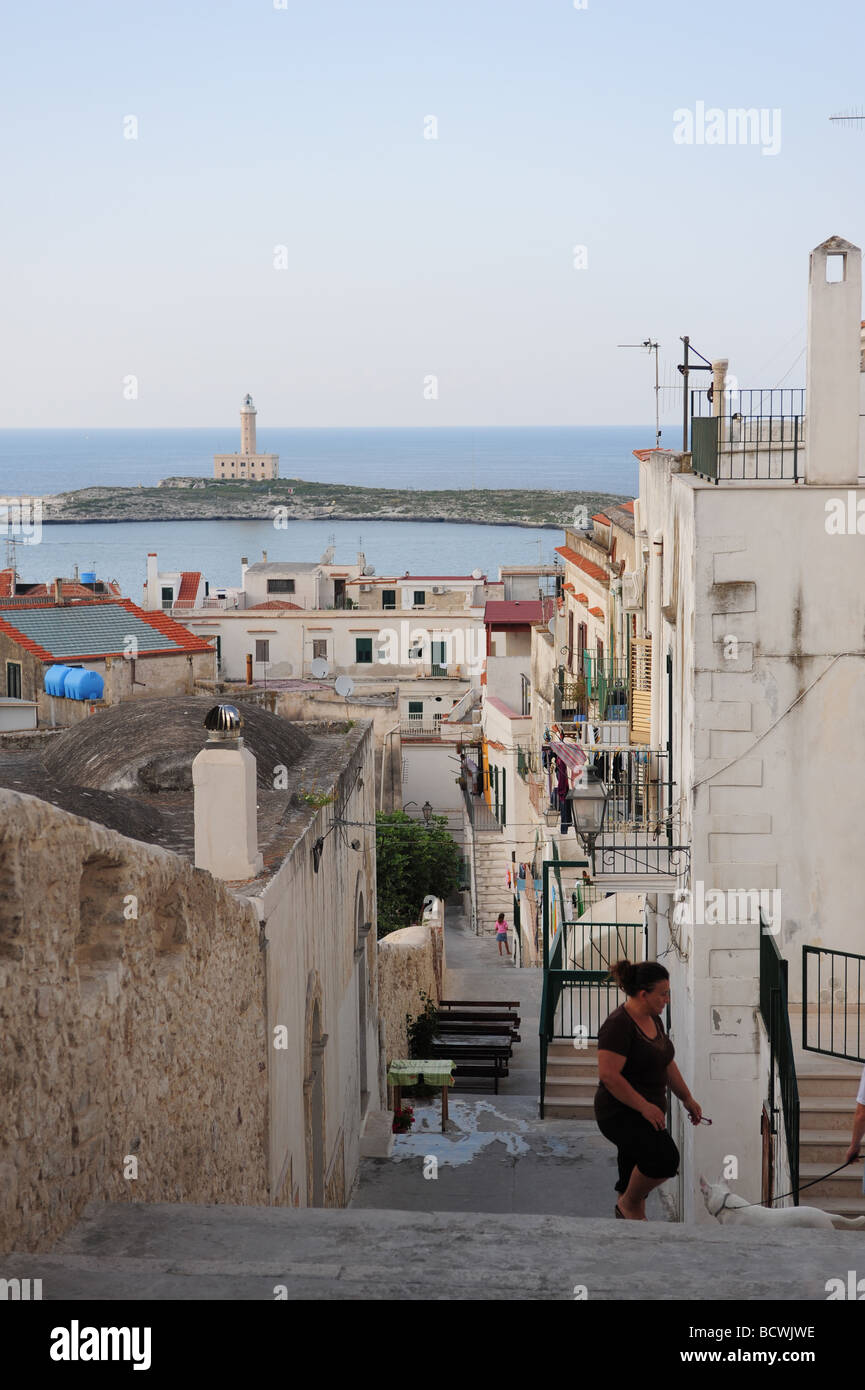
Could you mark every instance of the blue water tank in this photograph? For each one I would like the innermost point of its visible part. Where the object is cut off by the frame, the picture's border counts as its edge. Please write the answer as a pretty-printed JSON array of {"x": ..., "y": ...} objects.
[
  {"x": 55, "y": 677},
  {"x": 88, "y": 576},
  {"x": 83, "y": 685}
]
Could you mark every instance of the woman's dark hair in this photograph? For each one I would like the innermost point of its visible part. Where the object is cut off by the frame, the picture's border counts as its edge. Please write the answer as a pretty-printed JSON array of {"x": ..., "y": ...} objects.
[
  {"x": 501, "y": 917},
  {"x": 633, "y": 978}
]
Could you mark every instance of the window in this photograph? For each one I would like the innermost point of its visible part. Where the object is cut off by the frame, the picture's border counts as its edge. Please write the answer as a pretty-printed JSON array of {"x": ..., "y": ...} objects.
[
  {"x": 262, "y": 649},
  {"x": 167, "y": 596},
  {"x": 438, "y": 658},
  {"x": 415, "y": 709},
  {"x": 319, "y": 648},
  {"x": 388, "y": 598},
  {"x": 13, "y": 680},
  {"x": 280, "y": 586},
  {"x": 363, "y": 651},
  {"x": 419, "y": 598}
]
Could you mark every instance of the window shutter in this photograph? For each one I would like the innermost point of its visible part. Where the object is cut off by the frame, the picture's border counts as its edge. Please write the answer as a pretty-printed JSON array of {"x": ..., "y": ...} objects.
[{"x": 641, "y": 690}]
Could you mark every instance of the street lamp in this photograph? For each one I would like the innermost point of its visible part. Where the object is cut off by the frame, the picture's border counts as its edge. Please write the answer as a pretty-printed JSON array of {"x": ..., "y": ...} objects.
[
  {"x": 426, "y": 812},
  {"x": 589, "y": 809}
]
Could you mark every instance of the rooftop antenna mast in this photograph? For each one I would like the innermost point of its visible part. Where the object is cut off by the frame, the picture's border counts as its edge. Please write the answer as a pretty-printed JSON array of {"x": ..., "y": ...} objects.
[
  {"x": 854, "y": 118},
  {"x": 651, "y": 346}
]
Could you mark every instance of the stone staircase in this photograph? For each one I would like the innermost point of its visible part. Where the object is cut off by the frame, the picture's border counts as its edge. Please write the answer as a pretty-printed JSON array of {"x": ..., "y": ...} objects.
[
  {"x": 827, "y": 1100},
  {"x": 572, "y": 1079},
  {"x": 492, "y": 896}
]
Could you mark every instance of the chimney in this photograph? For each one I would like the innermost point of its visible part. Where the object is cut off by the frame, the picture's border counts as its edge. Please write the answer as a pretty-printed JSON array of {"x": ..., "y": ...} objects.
[
  {"x": 244, "y": 566},
  {"x": 152, "y": 598},
  {"x": 264, "y": 557},
  {"x": 58, "y": 590},
  {"x": 833, "y": 375},
  {"x": 226, "y": 819}
]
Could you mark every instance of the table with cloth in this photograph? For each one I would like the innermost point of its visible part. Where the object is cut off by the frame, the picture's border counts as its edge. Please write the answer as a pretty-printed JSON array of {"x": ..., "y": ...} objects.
[{"x": 436, "y": 1071}]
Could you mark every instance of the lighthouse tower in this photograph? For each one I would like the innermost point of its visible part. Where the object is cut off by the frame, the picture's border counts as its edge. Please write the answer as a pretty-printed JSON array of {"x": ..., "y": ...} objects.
[
  {"x": 248, "y": 413},
  {"x": 247, "y": 465}
]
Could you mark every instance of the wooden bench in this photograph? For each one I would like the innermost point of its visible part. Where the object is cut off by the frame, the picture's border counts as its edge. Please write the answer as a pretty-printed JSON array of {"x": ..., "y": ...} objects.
[
  {"x": 482, "y": 1056},
  {"x": 457, "y": 1028},
  {"x": 479, "y": 1003}
]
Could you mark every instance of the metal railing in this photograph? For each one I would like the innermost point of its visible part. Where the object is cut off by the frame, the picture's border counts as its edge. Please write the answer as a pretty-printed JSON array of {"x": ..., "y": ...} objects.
[
  {"x": 758, "y": 435},
  {"x": 642, "y": 832},
  {"x": 774, "y": 1009},
  {"x": 527, "y": 762},
  {"x": 832, "y": 1003},
  {"x": 419, "y": 728},
  {"x": 601, "y": 687},
  {"x": 479, "y": 814}
]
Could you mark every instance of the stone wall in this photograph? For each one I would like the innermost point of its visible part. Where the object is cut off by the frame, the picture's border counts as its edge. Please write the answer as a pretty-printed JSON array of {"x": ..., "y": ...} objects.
[
  {"x": 410, "y": 961},
  {"x": 128, "y": 1040}
]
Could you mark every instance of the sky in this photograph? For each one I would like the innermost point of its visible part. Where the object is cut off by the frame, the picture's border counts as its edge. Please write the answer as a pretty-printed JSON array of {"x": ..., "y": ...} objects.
[{"x": 280, "y": 221}]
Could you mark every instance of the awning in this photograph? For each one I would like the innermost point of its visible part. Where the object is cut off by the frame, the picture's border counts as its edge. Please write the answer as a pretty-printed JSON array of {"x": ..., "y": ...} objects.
[{"x": 571, "y": 754}]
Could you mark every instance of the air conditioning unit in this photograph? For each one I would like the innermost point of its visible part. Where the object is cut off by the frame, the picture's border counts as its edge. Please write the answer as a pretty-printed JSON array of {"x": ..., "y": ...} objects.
[
  {"x": 632, "y": 591},
  {"x": 437, "y": 589},
  {"x": 366, "y": 588}
]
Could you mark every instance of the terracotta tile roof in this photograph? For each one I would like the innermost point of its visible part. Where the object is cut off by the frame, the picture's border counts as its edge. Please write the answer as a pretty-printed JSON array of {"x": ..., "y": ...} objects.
[
  {"x": 597, "y": 612},
  {"x": 599, "y": 516},
  {"x": 52, "y": 631},
  {"x": 274, "y": 603},
  {"x": 589, "y": 567},
  {"x": 189, "y": 582},
  {"x": 570, "y": 588},
  {"x": 628, "y": 507},
  {"x": 644, "y": 454},
  {"x": 517, "y": 612}
]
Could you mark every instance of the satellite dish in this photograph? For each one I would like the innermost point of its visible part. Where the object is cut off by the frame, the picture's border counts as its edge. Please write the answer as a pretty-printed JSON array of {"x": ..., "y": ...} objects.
[
  {"x": 477, "y": 574},
  {"x": 368, "y": 569},
  {"x": 319, "y": 668},
  {"x": 343, "y": 685}
]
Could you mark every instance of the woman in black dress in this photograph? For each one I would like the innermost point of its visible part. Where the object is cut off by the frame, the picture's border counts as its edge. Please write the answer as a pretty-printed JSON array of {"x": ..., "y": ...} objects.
[{"x": 635, "y": 1067}]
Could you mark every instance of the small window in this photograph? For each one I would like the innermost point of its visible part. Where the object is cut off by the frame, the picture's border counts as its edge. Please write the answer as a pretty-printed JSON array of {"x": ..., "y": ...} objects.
[
  {"x": 319, "y": 648},
  {"x": 13, "y": 680},
  {"x": 363, "y": 651},
  {"x": 280, "y": 586},
  {"x": 415, "y": 709},
  {"x": 835, "y": 268},
  {"x": 388, "y": 598},
  {"x": 419, "y": 597},
  {"x": 262, "y": 649}
]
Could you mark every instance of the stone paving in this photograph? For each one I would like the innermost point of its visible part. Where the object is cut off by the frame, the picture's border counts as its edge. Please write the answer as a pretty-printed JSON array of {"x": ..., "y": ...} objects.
[{"x": 497, "y": 1155}]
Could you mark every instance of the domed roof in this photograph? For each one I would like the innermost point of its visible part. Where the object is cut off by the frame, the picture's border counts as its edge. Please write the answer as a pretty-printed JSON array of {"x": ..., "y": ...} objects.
[
  {"x": 149, "y": 745},
  {"x": 247, "y": 403}
]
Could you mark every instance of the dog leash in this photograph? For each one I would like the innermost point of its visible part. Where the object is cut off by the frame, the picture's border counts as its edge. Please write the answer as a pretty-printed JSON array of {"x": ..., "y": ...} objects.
[{"x": 794, "y": 1192}]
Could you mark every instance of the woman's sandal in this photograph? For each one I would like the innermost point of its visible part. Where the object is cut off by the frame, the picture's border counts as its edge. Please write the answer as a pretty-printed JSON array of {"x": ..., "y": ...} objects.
[{"x": 620, "y": 1214}]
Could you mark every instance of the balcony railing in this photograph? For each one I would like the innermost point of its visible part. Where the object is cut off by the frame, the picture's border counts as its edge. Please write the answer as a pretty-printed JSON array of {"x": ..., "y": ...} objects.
[
  {"x": 833, "y": 1003},
  {"x": 600, "y": 688},
  {"x": 420, "y": 728},
  {"x": 758, "y": 435},
  {"x": 479, "y": 813},
  {"x": 774, "y": 1008}
]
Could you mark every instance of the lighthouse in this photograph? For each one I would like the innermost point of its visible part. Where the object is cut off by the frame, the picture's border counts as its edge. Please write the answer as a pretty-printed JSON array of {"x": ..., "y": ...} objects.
[
  {"x": 248, "y": 465},
  {"x": 248, "y": 413}
]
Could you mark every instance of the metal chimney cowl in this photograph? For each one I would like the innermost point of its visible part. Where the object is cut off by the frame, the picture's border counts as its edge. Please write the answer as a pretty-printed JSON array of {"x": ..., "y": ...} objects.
[{"x": 226, "y": 800}]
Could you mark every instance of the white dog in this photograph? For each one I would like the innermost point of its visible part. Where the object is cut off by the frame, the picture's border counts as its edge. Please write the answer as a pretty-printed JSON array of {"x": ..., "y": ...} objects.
[{"x": 725, "y": 1206}]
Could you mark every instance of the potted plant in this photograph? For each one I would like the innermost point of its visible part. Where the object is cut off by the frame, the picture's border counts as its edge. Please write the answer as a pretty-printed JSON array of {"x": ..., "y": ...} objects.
[{"x": 403, "y": 1119}]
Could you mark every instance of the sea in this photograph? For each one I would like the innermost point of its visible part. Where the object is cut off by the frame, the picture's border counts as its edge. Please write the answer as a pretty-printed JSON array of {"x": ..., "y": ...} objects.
[{"x": 36, "y": 462}]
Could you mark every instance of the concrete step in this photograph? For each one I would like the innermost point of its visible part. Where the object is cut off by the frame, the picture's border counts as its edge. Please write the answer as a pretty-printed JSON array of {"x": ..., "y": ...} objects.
[
  {"x": 827, "y": 1083},
  {"x": 826, "y": 1146},
  {"x": 570, "y": 1088},
  {"x": 825, "y": 1112},
  {"x": 839, "y": 1206},
  {"x": 137, "y": 1251},
  {"x": 567, "y": 1108},
  {"x": 847, "y": 1183}
]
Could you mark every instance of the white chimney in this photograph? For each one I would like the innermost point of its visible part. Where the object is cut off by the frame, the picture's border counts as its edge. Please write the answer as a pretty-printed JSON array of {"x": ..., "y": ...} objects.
[
  {"x": 244, "y": 566},
  {"x": 152, "y": 598},
  {"x": 226, "y": 820},
  {"x": 833, "y": 378}
]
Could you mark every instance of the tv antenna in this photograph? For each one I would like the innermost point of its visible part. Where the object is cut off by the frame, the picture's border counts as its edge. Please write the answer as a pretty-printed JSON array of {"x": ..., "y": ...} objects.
[
  {"x": 651, "y": 347},
  {"x": 854, "y": 118}
]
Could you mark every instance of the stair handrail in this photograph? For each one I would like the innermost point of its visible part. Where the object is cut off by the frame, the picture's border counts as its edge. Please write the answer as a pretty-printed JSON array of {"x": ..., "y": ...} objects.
[{"x": 775, "y": 1012}]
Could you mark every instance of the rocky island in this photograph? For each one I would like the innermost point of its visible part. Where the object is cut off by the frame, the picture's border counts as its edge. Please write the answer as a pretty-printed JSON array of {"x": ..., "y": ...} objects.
[{"x": 207, "y": 499}]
